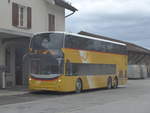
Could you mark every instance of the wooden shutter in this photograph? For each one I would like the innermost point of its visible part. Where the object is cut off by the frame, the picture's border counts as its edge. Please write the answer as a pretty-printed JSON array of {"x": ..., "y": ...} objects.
[
  {"x": 51, "y": 22},
  {"x": 15, "y": 14},
  {"x": 29, "y": 17}
]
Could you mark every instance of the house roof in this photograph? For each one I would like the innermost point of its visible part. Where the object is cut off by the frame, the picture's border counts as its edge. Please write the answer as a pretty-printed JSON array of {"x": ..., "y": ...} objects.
[
  {"x": 130, "y": 46},
  {"x": 66, "y": 5}
]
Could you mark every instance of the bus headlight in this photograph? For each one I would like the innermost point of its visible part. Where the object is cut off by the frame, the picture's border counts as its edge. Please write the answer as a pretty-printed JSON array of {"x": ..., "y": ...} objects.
[
  {"x": 59, "y": 80},
  {"x": 30, "y": 79}
]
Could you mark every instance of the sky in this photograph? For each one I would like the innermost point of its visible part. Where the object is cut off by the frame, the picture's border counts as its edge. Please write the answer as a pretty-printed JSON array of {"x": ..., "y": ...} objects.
[{"x": 127, "y": 20}]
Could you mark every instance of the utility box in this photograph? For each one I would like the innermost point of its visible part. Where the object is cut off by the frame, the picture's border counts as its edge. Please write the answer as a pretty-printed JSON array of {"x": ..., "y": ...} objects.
[{"x": 137, "y": 72}]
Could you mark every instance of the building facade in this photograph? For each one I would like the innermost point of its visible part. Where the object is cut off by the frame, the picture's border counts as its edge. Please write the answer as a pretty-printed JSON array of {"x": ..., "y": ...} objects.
[{"x": 19, "y": 19}]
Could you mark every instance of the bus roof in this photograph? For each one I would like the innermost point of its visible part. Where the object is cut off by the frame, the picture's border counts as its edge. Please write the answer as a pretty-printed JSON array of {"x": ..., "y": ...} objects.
[{"x": 83, "y": 36}]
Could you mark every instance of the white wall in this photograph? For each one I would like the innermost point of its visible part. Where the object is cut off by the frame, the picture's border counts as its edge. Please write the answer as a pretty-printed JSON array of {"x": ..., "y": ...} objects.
[{"x": 40, "y": 10}]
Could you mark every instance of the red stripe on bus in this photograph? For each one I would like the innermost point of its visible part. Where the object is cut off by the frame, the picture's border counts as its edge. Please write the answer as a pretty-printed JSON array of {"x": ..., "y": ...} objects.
[{"x": 44, "y": 80}]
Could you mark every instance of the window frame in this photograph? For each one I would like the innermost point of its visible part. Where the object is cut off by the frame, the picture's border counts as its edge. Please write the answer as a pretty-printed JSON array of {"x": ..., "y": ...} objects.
[
  {"x": 51, "y": 22},
  {"x": 23, "y": 17}
]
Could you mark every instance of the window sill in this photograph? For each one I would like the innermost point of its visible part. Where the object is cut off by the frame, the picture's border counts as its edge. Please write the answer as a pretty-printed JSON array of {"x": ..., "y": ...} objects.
[{"x": 22, "y": 27}]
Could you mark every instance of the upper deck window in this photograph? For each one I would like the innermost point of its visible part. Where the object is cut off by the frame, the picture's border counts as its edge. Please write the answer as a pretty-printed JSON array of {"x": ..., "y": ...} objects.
[{"x": 77, "y": 42}]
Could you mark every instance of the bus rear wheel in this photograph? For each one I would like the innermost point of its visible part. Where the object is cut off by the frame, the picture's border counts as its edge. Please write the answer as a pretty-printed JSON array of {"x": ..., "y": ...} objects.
[
  {"x": 109, "y": 83},
  {"x": 78, "y": 86},
  {"x": 115, "y": 85}
]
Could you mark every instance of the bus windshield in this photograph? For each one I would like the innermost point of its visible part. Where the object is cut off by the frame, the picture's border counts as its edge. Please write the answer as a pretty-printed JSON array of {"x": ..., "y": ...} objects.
[
  {"x": 47, "y": 41},
  {"x": 46, "y": 64}
]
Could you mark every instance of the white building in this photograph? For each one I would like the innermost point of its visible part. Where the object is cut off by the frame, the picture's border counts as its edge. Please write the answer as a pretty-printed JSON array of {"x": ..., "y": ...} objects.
[{"x": 19, "y": 19}]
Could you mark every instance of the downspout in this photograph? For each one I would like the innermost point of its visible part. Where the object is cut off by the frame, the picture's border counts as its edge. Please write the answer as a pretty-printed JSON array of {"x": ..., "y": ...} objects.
[{"x": 70, "y": 14}]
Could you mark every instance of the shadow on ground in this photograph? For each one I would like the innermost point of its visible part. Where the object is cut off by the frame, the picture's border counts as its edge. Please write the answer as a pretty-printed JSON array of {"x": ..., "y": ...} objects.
[{"x": 69, "y": 93}]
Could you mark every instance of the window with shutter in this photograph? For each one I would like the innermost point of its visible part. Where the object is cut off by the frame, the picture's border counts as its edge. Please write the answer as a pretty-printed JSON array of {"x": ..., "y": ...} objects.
[
  {"x": 21, "y": 16},
  {"x": 51, "y": 22}
]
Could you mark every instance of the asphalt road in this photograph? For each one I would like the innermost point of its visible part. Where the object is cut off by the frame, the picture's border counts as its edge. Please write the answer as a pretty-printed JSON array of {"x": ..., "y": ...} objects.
[{"x": 132, "y": 98}]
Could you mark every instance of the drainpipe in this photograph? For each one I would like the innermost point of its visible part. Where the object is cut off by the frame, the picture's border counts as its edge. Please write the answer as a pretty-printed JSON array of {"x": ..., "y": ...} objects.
[
  {"x": 2, "y": 70},
  {"x": 70, "y": 14},
  {"x": 4, "y": 80}
]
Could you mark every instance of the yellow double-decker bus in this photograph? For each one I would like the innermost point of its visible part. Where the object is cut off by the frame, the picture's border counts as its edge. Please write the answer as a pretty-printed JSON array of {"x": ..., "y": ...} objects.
[{"x": 66, "y": 62}]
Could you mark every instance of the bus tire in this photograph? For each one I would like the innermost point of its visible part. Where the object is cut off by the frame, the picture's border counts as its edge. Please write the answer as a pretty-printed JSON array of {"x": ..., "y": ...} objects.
[
  {"x": 115, "y": 85},
  {"x": 109, "y": 83},
  {"x": 78, "y": 86}
]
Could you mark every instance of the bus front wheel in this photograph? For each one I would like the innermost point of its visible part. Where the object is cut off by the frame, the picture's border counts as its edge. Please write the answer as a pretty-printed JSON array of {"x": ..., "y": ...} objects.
[{"x": 78, "y": 86}]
